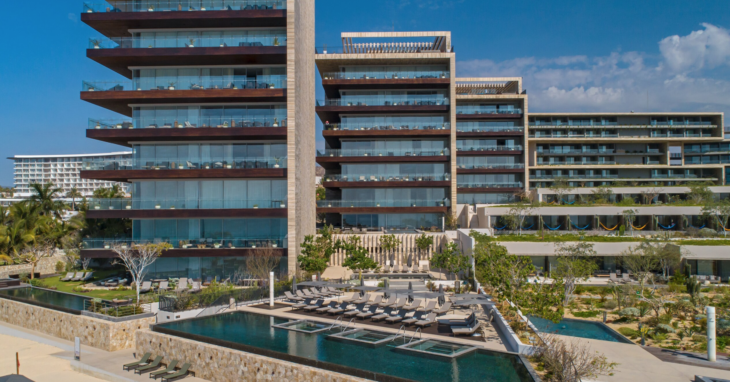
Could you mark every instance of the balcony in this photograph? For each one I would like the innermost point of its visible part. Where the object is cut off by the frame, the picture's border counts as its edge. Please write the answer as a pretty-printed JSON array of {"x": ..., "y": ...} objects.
[
  {"x": 507, "y": 166},
  {"x": 488, "y": 185},
  {"x": 382, "y": 153},
  {"x": 384, "y": 80},
  {"x": 385, "y": 75},
  {"x": 575, "y": 176},
  {"x": 386, "y": 180},
  {"x": 136, "y": 208},
  {"x": 579, "y": 163},
  {"x": 477, "y": 150},
  {"x": 188, "y": 83},
  {"x": 176, "y": 6},
  {"x": 379, "y": 127},
  {"x": 188, "y": 243},
  {"x": 384, "y": 206},
  {"x": 486, "y": 112},
  {"x": 466, "y": 130},
  {"x": 392, "y": 101}
]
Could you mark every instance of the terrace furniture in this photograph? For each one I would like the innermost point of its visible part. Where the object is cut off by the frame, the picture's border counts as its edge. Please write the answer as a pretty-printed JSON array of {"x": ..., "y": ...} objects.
[
  {"x": 169, "y": 369},
  {"x": 424, "y": 266},
  {"x": 390, "y": 302},
  {"x": 123, "y": 282},
  {"x": 386, "y": 313},
  {"x": 377, "y": 301},
  {"x": 364, "y": 299},
  {"x": 301, "y": 305},
  {"x": 323, "y": 292},
  {"x": 612, "y": 277},
  {"x": 326, "y": 308},
  {"x": 414, "y": 305},
  {"x": 372, "y": 309},
  {"x": 142, "y": 361},
  {"x": 625, "y": 277},
  {"x": 418, "y": 316},
  {"x": 292, "y": 297},
  {"x": 466, "y": 330},
  {"x": 184, "y": 371},
  {"x": 354, "y": 298},
  {"x": 431, "y": 306},
  {"x": 196, "y": 287},
  {"x": 309, "y": 294},
  {"x": 208, "y": 280},
  {"x": 400, "y": 303},
  {"x": 182, "y": 285},
  {"x": 155, "y": 364},
  {"x": 444, "y": 309},
  {"x": 89, "y": 276},
  {"x": 314, "y": 306},
  {"x": 339, "y": 309},
  {"x": 333, "y": 290},
  {"x": 164, "y": 286},
  {"x": 69, "y": 277},
  {"x": 430, "y": 319},
  {"x": 302, "y": 295},
  {"x": 78, "y": 277},
  {"x": 398, "y": 317},
  {"x": 146, "y": 287},
  {"x": 354, "y": 312}
]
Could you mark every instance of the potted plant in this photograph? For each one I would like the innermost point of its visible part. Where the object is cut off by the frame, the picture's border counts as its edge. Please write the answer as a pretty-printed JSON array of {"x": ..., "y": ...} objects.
[
  {"x": 192, "y": 43},
  {"x": 225, "y": 124},
  {"x": 129, "y": 206},
  {"x": 377, "y": 205},
  {"x": 202, "y": 8},
  {"x": 277, "y": 159},
  {"x": 106, "y": 246},
  {"x": 151, "y": 8},
  {"x": 329, "y": 205},
  {"x": 157, "y": 206},
  {"x": 276, "y": 123},
  {"x": 98, "y": 126},
  {"x": 217, "y": 245},
  {"x": 119, "y": 126},
  {"x": 282, "y": 205},
  {"x": 172, "y": 207},
  {"x": 96, "y": 207},
  {"x": 276, "y": 41},
  {"x": 443, "y": 75},
  {"x": 274, "y": 245},
  {"x": 96, "y": 44},
  {"x": 172, "y": 86},
  {"x": 253, "y": 245},
  {"x": 255, "y": 206},
  {"x": 111, "y": 207}
]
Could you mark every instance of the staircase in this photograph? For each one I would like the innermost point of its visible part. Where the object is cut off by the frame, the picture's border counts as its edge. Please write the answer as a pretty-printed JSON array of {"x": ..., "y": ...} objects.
[{"x": 418, "y": 284}]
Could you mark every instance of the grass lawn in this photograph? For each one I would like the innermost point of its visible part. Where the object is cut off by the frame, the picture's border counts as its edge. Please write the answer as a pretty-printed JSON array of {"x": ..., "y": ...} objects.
[
  {"x": 68, "y": 286},
  {"x": 566, "y": 237}
]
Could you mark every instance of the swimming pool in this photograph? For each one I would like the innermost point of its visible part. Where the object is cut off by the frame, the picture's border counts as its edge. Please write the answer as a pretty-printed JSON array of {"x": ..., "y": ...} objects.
[
  {"x": 256, "y": 333},
  {"x": 579, "y": 328},
  {"x": 46, "y": 298}
]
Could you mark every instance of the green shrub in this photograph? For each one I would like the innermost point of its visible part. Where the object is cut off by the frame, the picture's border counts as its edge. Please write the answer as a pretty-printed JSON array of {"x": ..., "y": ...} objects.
[
  {"x": 629, "y": 312},
  {"x": 586, "y": 314},
  {"x": 665, "y": 318},
  {"x": 579, "y": 289},
  {"x": 674, "y": 288},
  {"x": 722, "y": 342},
  {"x": 628, "y": 332},
  {"x": 664, "y": 328},
  {"x": 699, "y": 338},
  {"x": 60, "y": 266},
  {"x": 621, "y": 230},
  {"x": 610, "y": 305},
  {"x": 38, "y": 283},
  {"x": 24, "y": 277},
  {"x": 679, "y": 278},
  {"x": 659, "y": 337}
]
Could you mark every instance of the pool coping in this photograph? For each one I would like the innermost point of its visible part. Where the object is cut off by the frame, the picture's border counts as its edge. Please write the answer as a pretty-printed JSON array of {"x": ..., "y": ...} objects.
[
  {"x": 287, "y": 326},
  {"x": 341, "y": 337},
  {"x": 360, "y": 373},
  {"x": 43, "y": 304},
  {"x": 407, "y": 348},
  {"x": 620, "y": 337}
]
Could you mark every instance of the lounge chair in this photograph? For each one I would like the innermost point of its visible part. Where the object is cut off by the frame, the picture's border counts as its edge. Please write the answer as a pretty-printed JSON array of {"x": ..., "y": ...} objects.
[
  {"x": 314, "y": 306},
  {"x": 292, "y": 297},
  {"x": 424, "y": 266},
  {"x": 182, "y": 285},
  {"x": 208, "y": 281},
  {"x": 431, "y": 306},
  {"x": 333, "y": 290},
  {"x": 155, "y": 364},
  {"x": 301, "y": 305},
  {"x": 363, "y": 300},
  {"x": 340, "y": 309},
  {"x": 324, "y": 292},
  {"x": 372, "y": 309},
  {"x": 444, "y": 309},
  {"x": 69, "y": 277},
  {"x": 612, "y": 277},
  {"x": 400, "y": 303},
  {"x": 360, "y": 308},
  {"x": 418, "y": 316},
  {"x": 309, "y": 294},
  {"x": 430, "y": 319},
  {"x": 466, "y": 330},
  {"x": 390, "y": 302},
  {"x": 146, "y": 287},
  {"x": 354, "y": 298},
  {"x": 196, "y": 287},
  {"x": 89, "y": 276},
  {"x": 78, "y": 277},
  {"x": 377, "y": 301},
  {"x": 414, "y": 305},
  {"x": 164, "y": 286},
  {"x": 388, "y": 311},
  {"x": 123, "y": 282},
  {"x": 302, "y": 295},
  {"x": 169, "y": 369},
  {"x": 184, "y": 371},
  {"x": 142, "y": 362},
  {"x": 324, "y": 309},
  {"x": 398, "y": 317},
  {"x": 625, "y": 277}
]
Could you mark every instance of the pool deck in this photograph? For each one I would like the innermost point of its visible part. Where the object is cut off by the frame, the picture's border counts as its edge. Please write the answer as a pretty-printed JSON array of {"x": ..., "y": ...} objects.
[{"x": 492, "y": 340}]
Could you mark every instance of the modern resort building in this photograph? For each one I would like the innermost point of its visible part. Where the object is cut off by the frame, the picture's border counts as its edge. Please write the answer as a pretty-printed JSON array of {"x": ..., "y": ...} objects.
[{"x": 216, "y": 106}]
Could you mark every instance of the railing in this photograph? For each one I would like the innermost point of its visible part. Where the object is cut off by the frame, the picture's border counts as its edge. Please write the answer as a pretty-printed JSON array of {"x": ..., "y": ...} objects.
[
  {"x": 583, "y": 151},
  {"x": 383, "y": 48},
  {"x": 707, "y": 150},
  {"x": 387, "y": 178},
  {"x": 501, "y": 129},
  {"x": 383, "y": 203},
  {"x": 587, "y": 162},
  {"x": 381, "y": 153},
  {"x": 575, "y": 176},
  {"x": 189, "y": 243},
  {"x": 112, "y": 309},
  {"x": 191, "y": 40},
  {"x": 486, "y": 110},
  {"x": 491, "y": 166},
  {"x": 167, "y": 204},
  {"x": 549, "y": 125},
  {"x": 489, "y": 185},
  {"x": 359, "y": 126},
  {"x": 183, "y": 5},
  {"x": 188, "y": 83},
  {"x": 384, "y": 75},
  {"x": 185, "y": 301},
  {"x": 385, "y": 101},
  {"x": 185, "y": 164},
  {"x": 192, "y": 123},
  {"x": 546, "y": 135},
  {"x": 490, "y": 148}
]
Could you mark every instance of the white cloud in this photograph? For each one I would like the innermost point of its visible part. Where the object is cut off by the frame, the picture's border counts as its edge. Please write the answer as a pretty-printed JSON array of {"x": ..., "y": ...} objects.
[{"x": 680, "y": 79}]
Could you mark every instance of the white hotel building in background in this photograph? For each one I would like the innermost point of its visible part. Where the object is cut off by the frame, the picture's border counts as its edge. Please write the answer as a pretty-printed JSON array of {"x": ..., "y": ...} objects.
[{"x": 63, "y": 171}]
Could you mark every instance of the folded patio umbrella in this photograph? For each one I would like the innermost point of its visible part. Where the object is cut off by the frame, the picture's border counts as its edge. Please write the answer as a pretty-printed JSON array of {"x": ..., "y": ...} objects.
[
  {"x": 475, "y": 301},
  {"x": 294, "y": 284}
]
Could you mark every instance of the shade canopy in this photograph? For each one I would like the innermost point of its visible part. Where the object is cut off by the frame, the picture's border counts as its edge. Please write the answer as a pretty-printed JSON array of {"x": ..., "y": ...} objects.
[
  {"x": 473, "y": 301},
  {"x": 471, "y": 295},
  {"x": 428, "y": 294},
  {"x": 365, "y": 288}
]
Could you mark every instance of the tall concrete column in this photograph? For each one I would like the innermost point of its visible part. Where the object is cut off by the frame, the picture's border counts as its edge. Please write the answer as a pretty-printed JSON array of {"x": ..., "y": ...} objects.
[
  {"x": 271, "y": 289},
  {"x": 711, "y": 335}
]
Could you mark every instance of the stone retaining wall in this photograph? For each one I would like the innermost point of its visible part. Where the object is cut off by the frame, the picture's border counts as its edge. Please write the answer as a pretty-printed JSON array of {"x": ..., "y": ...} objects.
[
  {"x": 46, "y": 266},
  {"x": 105, "y": 335},
  {"x": 220, "y": 364}
]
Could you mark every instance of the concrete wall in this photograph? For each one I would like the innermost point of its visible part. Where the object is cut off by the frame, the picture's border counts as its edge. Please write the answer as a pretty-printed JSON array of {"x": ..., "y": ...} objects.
[
  {"x": 219, "y": 364},
  {"x": 105, "y": 335},
  {"x": 407, "y": 247},
  {"x": 46, "y": 266}
]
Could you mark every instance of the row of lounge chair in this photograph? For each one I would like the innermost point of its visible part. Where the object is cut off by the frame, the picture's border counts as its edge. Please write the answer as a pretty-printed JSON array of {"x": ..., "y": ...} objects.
[
  {"x": 148, "y": 365},
  {"x": 79, "y": 276}
]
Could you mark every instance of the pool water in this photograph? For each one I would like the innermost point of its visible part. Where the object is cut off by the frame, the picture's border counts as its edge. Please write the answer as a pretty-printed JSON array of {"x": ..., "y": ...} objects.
[
  {"x": 46, "y": 296},
  {"x": 439, "y": 348},
  {"x": 578, "y": 328},
  {"x": 304, "y": 326},
  {"x": 256, "y": 330}
]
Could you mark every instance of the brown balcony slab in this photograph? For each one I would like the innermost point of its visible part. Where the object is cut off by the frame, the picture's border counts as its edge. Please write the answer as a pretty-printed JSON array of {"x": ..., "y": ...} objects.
[
  {"x": 118, "y": 24},
  {"x": 332, "y": 113},
  {"x": 189, "y": 252},
  {"x": 119, "y": 101},
  {"x": 125, "y": 136},
  {"x": 381, "y": 210},
  {"x": 332, "y": 87},
  {"x": 385, "y": 184},
  {"x": 477, "y": 117},
  {"x": 120, "y": 59},
  {"x": 218, "y": 173},
  {"x": 187, "y": 213}
]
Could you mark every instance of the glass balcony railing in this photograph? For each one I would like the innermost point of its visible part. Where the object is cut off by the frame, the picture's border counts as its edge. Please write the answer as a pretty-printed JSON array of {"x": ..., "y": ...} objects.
[
  {"x": 387, "y": 178},
  {"x": 693, "y": 150},
  {"x": 488, "y": 129},
  {"x": 575, "y": 151},
  {"x": 189, "y": 243},
  {"x": 543, "y": 134},
  {"x": 401, "y": 126},
  {"x": 576, "y": 163},
  {"x": 384, "y": 203},
  {"x": 182, "y": 5},
  {"x": 576, "y": 176},
  {"x": 197, "y": 122},
  {"x": 681, "y": 123},
  {"x": 384, "y": 75},
  {"x": 489, "y": 148},
  {"x": 382, "y": 153},
  {"x": 385, "y": 101},
  {"x": 491, "y": 166},
  {"x": 183, "y": 204},
  {"x": 192, "y": 40},
  {"x": 476, "y": 109},
  {"x": 185, "y": 164},
  {"x": 188, "y": 83},
  {"x": 490, "y": 185}
]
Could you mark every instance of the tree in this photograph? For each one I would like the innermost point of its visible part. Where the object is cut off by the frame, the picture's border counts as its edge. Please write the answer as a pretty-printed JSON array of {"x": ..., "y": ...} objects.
[
  {"x": 137, "y": 259},
  {"x": 650, "y": 194},
  {"x": 571, "y": 362},
  {"x": 516, "y": 216},
  {"x": 113, "y": 192},
  {"x": 561, "y": 187},
  {"x": 321, "y": 193},
  {"x": 388, "y": 244},
  {"x": 699, "y": 193},
  {"x": 46, "y": 196},
  {"x": 720, "y": 209},
  {"x": 423, "y": 243},
  {"x": 641, "y": 261},
  {"x": 451, "y": 259},
  {"x": 38, "y": 251},
  {"x": 602, "y": 195},
  {"x": 668, "y": 256},
  {"x": 629, "y": 216},
  {"x": 73, "y": 193},
  {"x": 261, "y": 263},
  {"x": 358, "y": 258},
  {"x": 317, "y": 251},
  {"x": 575, "y": 262}
]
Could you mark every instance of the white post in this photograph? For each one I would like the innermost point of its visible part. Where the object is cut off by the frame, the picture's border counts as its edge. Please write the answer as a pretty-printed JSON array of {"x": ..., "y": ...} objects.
[
  {"x": 711, "y": 337},
  {"x": 271, "y": 289}
]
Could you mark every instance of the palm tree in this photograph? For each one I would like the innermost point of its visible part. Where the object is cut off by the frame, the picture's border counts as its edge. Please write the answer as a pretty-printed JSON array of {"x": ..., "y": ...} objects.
[
  {"x": 73, "y": 194},
  {"x": 114, "y": 192},
  {"x": 45, "y": 195}
]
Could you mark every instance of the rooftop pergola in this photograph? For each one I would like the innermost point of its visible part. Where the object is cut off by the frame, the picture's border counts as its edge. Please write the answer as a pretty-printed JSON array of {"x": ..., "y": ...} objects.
[
  {"x": 441, "y": 43},
  {"x": 489, "y": 85}
]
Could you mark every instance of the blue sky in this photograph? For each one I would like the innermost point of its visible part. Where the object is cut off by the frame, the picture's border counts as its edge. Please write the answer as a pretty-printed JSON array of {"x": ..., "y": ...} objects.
[{"x": 574, "y": 56}]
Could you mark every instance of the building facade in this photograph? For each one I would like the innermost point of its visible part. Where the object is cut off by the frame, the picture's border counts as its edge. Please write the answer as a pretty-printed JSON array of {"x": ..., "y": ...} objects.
[
  {"x": 215, "y": 103},
  {"x": 63, "y": 171}
]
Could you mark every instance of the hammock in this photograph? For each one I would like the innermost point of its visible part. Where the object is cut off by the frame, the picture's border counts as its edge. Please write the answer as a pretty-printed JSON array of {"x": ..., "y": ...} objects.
[
  {"x": 670, "y": 227},
  {"x": 529, "y": 226},
  {"x": 606, "y": 228},
  {"x": 587, "y": 225},
  {"x": 573, "y": 202},
  {"x": 553, "y": 229},
  {"x": 703, "y": 226},
  {"x": 499, "y": 229},
  {"x": 639, "y": 228},
  {"x": 553, "y": 202},
  {"x": 722, "y": 225}
]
